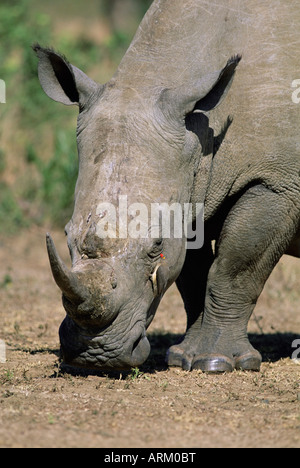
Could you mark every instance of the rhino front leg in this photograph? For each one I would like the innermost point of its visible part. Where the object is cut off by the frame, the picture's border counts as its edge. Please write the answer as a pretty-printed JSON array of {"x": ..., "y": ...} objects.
[
  {"x": 192, "y": 283},
  {"x": 256, "y": 233}
]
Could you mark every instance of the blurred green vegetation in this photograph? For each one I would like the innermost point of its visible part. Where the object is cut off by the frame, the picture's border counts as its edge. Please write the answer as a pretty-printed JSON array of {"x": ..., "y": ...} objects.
[{"x": 38, "y": 155}]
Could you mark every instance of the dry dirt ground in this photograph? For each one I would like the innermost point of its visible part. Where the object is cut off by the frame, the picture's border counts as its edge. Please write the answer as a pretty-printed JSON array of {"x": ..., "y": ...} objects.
[{"x": 151, "y": 407}]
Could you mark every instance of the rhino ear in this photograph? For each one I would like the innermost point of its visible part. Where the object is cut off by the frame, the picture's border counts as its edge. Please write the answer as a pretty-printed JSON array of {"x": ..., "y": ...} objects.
[
  {"x": 204, "y": 94},
  {"x": 60, "y": 80}
]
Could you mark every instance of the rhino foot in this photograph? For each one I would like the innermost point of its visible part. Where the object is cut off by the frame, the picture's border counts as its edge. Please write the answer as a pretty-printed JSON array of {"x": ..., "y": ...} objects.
[
  {"x": 181, "y": 356},
  {"x": 218, "y": 363}
]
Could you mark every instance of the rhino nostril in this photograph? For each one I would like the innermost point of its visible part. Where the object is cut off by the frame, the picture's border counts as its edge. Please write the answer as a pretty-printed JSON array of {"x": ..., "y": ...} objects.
[{"x": 135, "y": 344}]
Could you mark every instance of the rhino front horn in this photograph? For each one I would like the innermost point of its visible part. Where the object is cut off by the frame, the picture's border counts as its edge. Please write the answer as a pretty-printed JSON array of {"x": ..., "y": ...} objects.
[{"x": 64, "y": 278}]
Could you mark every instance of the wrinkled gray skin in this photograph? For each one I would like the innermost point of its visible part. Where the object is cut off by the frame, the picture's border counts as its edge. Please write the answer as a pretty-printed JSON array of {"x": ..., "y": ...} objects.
[{"x": 149, "y": 134}]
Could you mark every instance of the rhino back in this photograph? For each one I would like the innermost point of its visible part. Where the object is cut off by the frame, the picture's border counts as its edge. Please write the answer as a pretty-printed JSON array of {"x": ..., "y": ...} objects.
[
  {"x": 263, "y": 142},
  {"x": 173, "y": 44},
  {"x": 181, "y": 39},
  {"x": 268, "y": 36}
]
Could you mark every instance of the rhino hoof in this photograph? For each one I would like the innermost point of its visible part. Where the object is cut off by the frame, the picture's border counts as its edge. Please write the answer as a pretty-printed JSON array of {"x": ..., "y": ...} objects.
[
  {"x": 249, "y": 361},
  {"x": 176, "y": 357},
  {"x": 213, "y": 363}
]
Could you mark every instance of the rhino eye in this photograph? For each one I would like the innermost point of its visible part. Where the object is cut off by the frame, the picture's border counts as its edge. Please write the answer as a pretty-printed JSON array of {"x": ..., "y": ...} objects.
[{"x": 156, "y": 248}]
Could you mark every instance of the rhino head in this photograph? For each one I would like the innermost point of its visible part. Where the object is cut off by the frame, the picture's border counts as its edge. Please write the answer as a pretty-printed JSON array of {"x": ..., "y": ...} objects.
[{"x": 134, "y": 144}]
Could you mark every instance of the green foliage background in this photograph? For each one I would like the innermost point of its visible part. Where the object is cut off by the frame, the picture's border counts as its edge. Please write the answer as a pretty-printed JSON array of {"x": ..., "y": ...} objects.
[{"x": 38, "y": 156}]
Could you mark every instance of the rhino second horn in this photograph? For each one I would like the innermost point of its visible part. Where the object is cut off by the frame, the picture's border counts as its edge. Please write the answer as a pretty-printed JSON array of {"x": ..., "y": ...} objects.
[{"x": 64, "y": 278}]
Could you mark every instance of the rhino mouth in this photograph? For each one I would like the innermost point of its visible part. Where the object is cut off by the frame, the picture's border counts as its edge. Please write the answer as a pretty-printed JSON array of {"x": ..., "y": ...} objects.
[{"x": 83, "y": 349}]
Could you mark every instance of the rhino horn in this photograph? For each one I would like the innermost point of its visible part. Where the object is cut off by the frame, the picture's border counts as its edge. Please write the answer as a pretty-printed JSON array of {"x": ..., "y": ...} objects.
[{"x": 64, "y": 278}]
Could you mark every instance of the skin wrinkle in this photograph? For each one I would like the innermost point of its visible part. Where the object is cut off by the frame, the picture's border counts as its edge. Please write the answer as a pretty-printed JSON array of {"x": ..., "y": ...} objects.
[{"x": 118, "y": 335}]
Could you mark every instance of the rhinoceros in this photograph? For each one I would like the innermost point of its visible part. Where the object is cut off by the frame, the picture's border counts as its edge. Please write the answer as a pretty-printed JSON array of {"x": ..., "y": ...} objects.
[{"x": 167, "y": 129}]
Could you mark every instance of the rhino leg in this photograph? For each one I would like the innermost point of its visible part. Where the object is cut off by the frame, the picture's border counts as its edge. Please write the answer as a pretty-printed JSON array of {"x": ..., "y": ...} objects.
[
  {"x": 255, "y": 234},
  {"x": 191, "y": 284},
  {"x": 294, "y": 247}
]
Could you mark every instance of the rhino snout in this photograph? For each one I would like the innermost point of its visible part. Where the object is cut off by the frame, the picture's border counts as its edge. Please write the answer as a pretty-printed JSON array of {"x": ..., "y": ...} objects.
[{"x": 80, "y": 348}]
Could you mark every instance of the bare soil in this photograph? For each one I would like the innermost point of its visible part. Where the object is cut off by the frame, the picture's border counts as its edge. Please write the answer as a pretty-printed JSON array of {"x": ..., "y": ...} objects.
[{"x": 152, "y": 407}]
